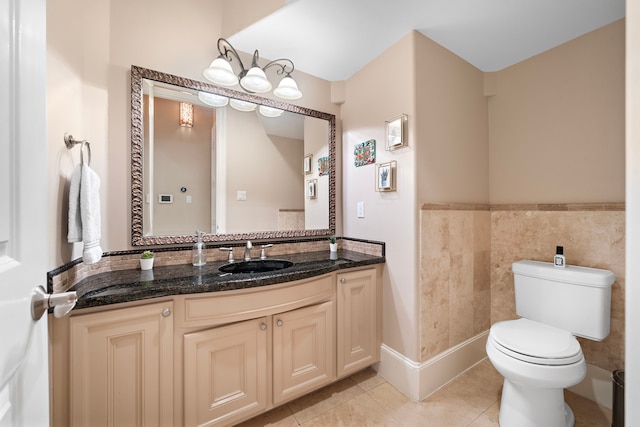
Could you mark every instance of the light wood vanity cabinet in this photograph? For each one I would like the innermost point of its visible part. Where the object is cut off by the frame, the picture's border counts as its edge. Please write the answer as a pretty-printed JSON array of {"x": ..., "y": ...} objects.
[
  {"x": 217, "y": 358},
  {"x": 225, "y": 373},
  {"x": 359, "y": 324},
  {"x": 303, "y": 351},
  {"x": 122, "y": 367}
]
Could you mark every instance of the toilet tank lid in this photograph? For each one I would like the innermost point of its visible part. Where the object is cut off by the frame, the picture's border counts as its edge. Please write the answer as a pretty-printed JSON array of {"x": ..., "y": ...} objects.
[{"x": 570, "y": 274}]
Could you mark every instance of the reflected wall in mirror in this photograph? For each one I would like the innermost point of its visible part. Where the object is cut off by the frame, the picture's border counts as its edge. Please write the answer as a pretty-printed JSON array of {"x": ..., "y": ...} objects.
[{"x": 235, "y": 174}]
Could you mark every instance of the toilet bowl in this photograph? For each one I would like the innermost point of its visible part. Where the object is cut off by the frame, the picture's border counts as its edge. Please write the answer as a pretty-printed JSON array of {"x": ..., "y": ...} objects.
[
  {"x": 537, "y": 362},
  {"x": 538, "y": 354}
]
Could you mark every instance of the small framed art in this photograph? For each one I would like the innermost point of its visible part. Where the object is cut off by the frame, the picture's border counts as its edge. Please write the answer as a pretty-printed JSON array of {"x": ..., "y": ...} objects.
[
  {"x": 323, "y": 166},
  {"x": 312, "y": 188},
  {"x": 364, "y": 153},
  {"x": 397, "y": 132},
  {"x": 386, "y": 176},
  {"x": 306, "y": 164}
]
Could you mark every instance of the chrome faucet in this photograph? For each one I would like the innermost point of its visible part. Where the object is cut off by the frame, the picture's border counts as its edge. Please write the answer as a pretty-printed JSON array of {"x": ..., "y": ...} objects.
[{"x": 247, "y": 251}]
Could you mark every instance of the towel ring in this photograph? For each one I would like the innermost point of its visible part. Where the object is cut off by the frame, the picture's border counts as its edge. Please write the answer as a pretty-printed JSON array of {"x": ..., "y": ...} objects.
[{"x": 69, "y": 141}]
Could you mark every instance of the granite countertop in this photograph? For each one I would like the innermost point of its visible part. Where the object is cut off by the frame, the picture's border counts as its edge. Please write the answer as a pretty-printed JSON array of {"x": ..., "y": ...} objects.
[{"x": 133, "y": 285}]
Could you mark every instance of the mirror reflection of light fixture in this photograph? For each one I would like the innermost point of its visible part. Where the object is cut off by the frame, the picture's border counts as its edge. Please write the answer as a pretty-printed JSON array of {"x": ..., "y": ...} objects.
[
  {"x": 186, "y": 114},
  {"x": 242, "y": 105},
  {"x": 253, "y": 80},
  {"x": 213, "y": 100},
  {"x": 270, "y": 111}
]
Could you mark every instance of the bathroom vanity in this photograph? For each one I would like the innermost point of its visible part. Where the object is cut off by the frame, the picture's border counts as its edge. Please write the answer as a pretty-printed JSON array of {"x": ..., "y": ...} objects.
[{"x": 194, "y": 347}]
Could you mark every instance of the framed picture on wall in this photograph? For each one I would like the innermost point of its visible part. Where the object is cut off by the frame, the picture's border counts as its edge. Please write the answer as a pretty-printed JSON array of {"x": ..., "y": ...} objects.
[
  {"x": 386, "y": 176},
  {"x": 306, "y": 164},
  {"x": 397, "y": 132},
  {"x": 312, "y": 188}
]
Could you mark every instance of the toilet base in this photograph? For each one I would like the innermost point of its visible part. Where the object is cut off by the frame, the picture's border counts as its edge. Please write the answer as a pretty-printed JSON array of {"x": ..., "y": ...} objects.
[{"x": 533, "y": 407}]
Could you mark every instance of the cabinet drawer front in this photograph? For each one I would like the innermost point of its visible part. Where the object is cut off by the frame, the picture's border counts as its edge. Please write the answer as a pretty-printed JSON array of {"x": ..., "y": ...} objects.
[{"x": 220, "y": 309}]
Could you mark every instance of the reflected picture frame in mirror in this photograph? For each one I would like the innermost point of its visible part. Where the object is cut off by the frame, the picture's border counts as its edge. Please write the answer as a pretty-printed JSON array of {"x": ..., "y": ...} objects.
[{"x": 138, "y": 236}]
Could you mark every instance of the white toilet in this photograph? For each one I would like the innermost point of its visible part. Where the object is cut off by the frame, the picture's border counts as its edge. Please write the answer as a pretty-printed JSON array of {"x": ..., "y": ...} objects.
[{"x": 538, "y": 354}]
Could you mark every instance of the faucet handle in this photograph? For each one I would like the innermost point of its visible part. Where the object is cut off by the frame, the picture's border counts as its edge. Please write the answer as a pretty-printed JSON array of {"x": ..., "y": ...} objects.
[
  {"x": 230, "y": 250},
  {"x": 263, "y": 255}
]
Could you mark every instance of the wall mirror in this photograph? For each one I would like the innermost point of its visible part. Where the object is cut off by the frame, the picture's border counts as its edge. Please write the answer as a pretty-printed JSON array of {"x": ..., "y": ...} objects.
[{"x": 236, "y": 171}]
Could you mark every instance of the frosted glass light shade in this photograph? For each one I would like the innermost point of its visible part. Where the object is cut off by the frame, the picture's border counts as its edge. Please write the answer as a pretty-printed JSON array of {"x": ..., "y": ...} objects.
[
  {"x": 255, "y": 81},
  {"x": 213, "y": 100},
  {"x": 270, "y": 111},
  {"x": 221, "y": 73},
  {"x": 288, "y": 89},
  {"x": 242, "y": 105}
]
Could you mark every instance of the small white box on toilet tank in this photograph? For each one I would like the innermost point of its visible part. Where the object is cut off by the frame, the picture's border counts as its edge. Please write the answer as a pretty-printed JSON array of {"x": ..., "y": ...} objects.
[{"x": 576, "y": 299}]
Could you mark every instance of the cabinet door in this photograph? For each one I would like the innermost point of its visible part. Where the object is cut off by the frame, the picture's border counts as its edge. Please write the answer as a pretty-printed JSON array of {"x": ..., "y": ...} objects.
[
  {"x": 303, "y": 351},
  {"x": 357, "y": 321},
  {"x": 225, "y": 373},
  {"x": 122, "y": 367}
]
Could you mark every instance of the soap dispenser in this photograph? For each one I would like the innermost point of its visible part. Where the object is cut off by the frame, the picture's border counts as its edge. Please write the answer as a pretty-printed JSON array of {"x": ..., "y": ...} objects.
[
  {"x": 197, "y": 254},
  {"x": 559, "y": 259}
]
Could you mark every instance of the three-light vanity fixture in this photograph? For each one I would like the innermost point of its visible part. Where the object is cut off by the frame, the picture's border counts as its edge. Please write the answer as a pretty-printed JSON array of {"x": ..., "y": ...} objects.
[{"x": 251, "y": 80}]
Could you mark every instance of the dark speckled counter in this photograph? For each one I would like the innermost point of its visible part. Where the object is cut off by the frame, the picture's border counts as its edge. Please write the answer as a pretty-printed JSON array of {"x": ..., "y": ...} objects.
[{"x": 133, "y": 285}]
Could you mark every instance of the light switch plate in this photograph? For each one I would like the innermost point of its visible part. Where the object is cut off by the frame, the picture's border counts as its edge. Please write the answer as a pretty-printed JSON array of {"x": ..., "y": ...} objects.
[
  {"x": 360, "y": 210},
  {"x": 241, "y": 195}
]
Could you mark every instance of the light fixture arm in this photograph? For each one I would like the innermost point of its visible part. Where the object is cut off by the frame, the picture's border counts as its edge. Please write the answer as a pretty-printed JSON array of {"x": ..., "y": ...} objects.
[
  {"x": 285, "y": 66},
  {"x": 228, "y": 52},
  {"x": 282, "y": 67}
]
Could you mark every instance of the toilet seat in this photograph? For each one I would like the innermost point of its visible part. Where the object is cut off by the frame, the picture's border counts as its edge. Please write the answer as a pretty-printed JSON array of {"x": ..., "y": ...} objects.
[{"x": 536, "y": 343}]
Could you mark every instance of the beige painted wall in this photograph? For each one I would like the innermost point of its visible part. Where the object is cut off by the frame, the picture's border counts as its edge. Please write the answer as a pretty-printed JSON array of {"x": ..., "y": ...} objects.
[
  {"x": 88, "y": 88},
  {"x": 381, "y": 91},
  {"x": 450, "y": 126},
  {"x": 182, "y": 158},
  {"x": 557, "y": 124},
  {"x": 315, "y": 144},
  {"x": 266, "y": 167}
]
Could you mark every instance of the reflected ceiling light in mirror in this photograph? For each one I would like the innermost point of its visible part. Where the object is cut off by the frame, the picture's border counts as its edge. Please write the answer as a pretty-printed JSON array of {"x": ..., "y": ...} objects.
[
  {"x": 242, "y": 105},
  {"x": 270, "y": 111},
  {"x": 253, "y": 80},
  {"x": 213, "y": 100},
  {"x": 186, "y": 114}
]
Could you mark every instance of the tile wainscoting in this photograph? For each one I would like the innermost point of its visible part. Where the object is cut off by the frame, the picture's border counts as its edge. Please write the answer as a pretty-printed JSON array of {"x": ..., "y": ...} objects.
[{"x": 466, "y": 251}]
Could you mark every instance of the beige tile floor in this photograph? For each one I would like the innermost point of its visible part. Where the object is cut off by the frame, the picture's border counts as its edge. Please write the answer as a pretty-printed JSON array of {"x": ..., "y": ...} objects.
[{"x": 366, "y": 399}]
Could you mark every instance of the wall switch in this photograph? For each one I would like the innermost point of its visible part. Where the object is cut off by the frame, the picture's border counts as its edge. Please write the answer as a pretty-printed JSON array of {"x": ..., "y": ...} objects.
[
  {"x": 360, "y": 210},
  {"x": 241, "y": 195},
  {"x": 189, "y": 199}
]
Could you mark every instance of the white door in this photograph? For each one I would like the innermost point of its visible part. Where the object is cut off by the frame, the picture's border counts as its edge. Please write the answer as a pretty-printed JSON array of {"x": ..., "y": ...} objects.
[{"x": 23, "y": 212}]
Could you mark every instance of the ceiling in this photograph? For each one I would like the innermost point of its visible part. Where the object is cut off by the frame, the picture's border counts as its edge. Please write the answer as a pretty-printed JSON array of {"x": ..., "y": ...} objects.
[{"x": 333, "y": 39}]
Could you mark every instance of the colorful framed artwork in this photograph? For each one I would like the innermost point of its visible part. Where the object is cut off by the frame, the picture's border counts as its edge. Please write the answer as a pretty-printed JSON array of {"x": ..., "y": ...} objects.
[
  {"x": 306, "y": 164},
  {"x": 365, "y": 153},
  {"x": 323, "y": 166},
  {"x": 397, "y": 132},
  {"x": 386, "y": 176},
  {"x": 312, "y": 188}
]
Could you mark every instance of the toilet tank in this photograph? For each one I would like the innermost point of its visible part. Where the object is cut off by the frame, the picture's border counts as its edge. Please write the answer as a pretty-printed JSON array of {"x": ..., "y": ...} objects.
[{"x": 576, "y": 299}]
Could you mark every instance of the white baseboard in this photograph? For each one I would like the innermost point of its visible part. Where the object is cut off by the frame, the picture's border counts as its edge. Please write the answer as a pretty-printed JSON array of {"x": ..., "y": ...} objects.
[
  {"x": 597, "y": 386},
  {"x": 419, "y": 380}
]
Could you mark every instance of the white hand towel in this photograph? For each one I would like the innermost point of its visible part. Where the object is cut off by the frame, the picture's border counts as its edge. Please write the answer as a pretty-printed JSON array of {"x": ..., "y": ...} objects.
[
  {"x": 74, "y": 233},
  {"x": 90, "y": 215}
]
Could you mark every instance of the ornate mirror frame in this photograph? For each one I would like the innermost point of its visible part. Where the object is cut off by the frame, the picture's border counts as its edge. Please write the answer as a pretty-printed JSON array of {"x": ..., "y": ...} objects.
[{"x": 137, "y": 143}]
